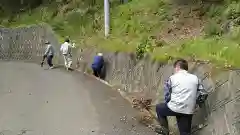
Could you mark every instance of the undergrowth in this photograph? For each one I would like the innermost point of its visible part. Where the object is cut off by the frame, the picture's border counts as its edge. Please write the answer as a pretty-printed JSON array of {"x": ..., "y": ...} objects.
[{"x": 135, "y": 27}]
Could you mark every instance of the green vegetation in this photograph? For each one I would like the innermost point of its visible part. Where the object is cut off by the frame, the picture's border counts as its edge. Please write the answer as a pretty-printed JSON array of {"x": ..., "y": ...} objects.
[{"x": 138, "y": 26}]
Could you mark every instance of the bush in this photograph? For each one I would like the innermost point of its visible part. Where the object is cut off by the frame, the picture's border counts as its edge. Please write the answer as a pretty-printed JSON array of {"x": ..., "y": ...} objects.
[
  {"x": 144, "y": 47},
  {"x": 213, "y": 29},
  {"x": 58, "y": 25},
  {"x": 232, "y": 11},
  {"x": 141, "y": 50}
]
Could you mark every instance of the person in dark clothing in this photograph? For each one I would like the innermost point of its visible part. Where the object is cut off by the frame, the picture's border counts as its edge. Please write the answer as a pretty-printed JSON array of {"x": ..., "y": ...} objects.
[
  {"x": 49, "y": 54},
  {"x": 180, "y": 92},
  {"x": 97, "y": 64}
]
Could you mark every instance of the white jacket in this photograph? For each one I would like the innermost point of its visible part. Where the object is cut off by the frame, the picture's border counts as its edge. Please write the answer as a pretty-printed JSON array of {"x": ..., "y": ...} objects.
[
  {"x": 66, "y": 48},
  {"x": 184, "y": 92}
]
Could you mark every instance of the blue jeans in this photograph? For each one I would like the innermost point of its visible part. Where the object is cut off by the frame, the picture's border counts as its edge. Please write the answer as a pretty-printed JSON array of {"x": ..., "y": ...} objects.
[{"x": 184, "y": 121}]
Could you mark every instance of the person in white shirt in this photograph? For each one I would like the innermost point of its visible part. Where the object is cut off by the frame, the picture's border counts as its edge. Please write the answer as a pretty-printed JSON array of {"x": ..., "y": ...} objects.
[
  {"x": 180, "y": 92},
  {"x": 66, "y": 49}
]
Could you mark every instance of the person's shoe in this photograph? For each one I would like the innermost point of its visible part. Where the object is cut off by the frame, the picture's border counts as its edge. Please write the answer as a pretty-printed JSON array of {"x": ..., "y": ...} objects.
[
  {"x": 42, "y": 63},
  {"x": 161, "y": 131},
  {"x": 51, "y": 67}
]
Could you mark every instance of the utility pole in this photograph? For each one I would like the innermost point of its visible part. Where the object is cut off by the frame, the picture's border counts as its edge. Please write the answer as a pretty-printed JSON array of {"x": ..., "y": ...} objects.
[{"x": 106, "y": 17}]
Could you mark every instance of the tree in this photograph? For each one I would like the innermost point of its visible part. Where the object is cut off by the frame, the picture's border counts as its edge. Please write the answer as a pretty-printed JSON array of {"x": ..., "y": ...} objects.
[{"x": 14, "y": 6}]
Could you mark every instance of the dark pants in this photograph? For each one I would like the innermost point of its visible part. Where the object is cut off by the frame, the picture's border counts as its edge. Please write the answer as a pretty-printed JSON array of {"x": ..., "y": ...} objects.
[
  {"x": 184, "y": 121},
  {"x": 96, "y": 72},
  {"x": 49, "y": 60}
]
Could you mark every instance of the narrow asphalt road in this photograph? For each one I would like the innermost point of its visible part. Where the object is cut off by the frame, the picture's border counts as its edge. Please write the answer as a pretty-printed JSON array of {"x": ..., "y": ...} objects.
[{"x": 35, "y": 101}]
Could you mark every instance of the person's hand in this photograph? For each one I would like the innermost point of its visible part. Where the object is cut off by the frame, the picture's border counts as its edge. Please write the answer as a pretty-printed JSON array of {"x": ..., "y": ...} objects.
[
  {"x": 73, "y": 45},
  {"x": 196, "y": 108}
]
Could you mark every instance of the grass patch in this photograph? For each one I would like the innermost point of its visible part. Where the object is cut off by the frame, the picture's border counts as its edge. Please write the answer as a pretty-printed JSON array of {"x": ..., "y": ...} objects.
[
  {"x": 135, "y": 23},
  {"x": 220, "y": 51}
]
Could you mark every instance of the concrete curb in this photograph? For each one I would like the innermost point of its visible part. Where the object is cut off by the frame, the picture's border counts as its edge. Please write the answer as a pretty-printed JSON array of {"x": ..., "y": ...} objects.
[{"x": 152, "y": 113}]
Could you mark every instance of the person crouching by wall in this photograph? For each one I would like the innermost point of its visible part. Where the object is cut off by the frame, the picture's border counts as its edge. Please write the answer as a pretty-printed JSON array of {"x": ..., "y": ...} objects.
[
  {"x": 180, "y": 92},
  {"x": 49, "y": 54},
  {"x": 97, "y": 65}
]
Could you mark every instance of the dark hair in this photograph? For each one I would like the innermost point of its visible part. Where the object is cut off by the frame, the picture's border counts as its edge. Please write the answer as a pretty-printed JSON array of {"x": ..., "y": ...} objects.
[
  {"x": 67, "y": 40},
  {"x": 183, "y": 64}
]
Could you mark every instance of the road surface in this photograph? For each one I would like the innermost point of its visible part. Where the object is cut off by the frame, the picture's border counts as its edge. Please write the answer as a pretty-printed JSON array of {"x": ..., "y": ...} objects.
[{"x": 35, "y": 101}]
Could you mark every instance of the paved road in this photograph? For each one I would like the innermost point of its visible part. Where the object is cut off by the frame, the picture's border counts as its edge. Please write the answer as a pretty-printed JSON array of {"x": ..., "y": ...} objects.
[{"x": 35, "y": 101}]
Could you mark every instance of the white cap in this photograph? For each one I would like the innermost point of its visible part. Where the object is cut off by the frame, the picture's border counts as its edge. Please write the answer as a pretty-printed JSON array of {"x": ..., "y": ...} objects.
[{"x": 100, "y": 54}]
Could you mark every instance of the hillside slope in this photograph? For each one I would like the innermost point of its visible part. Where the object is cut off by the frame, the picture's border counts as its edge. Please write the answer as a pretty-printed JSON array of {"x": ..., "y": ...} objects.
[{"x": 165, "y": 29}]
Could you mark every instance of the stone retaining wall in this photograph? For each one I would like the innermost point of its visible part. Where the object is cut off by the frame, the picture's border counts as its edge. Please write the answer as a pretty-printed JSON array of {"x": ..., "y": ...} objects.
[{"x": 25, "y": 43}]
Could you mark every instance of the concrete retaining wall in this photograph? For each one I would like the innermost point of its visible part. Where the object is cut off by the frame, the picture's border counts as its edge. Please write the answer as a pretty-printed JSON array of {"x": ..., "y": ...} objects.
[{"x": 220, "y": 116}]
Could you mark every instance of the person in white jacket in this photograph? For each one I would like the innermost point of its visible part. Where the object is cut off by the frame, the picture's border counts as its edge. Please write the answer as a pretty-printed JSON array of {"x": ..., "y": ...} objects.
[{"x": 66, "y": 49}]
